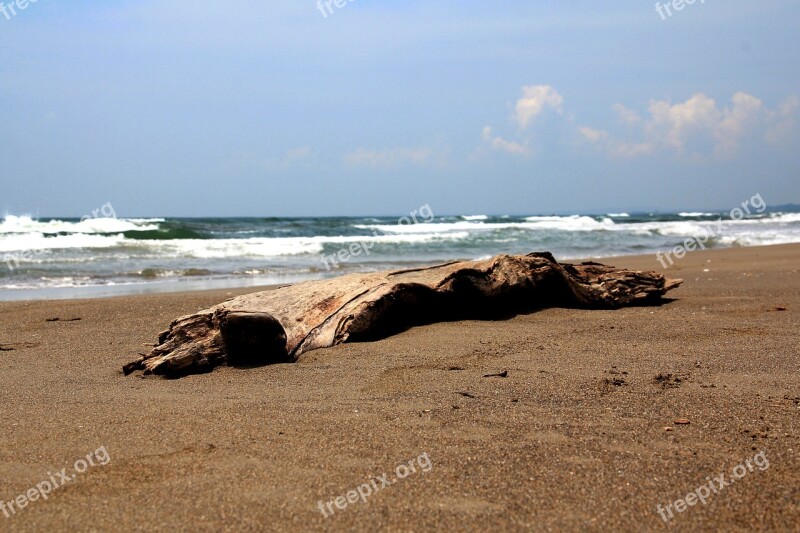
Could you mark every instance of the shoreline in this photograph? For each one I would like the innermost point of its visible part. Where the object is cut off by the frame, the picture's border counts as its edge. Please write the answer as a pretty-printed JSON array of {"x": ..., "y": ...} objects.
[{"x": 241, "y": 286}]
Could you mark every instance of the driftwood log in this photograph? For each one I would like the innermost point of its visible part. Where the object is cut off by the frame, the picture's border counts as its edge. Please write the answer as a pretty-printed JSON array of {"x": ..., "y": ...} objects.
[{"x": 276, "y": 326}]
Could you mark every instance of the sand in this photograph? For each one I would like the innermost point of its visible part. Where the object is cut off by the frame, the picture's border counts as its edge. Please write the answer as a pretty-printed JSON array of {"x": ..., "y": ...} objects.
[{"x": 574, "y": 437}]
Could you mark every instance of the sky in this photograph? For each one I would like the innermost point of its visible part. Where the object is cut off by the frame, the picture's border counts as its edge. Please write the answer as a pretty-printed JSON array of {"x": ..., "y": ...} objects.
[{"x": 263, "y": 108}]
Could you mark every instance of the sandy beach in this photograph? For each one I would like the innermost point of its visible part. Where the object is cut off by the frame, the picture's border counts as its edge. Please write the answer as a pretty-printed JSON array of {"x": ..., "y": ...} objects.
[{"x": 602, "y": 417}]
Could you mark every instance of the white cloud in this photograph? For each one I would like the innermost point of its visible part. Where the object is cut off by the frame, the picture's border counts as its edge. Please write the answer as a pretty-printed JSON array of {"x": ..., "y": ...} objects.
[
  {"x": 698, "y": 127},
  {"x": 734, "y": 123},
  {"x": 626, "y": 115},
  {"x": 498, "y": 143},
  {"x": 296, "y": 154},
  {"x": 674, "y": 125},
  {"x": 593, "y": 135},
  {"x": 535, "y": 99},
  {"x": 291, "y": 157},
  {"x": 783, "y": 121},
  {"x": 388, "y": 157}
]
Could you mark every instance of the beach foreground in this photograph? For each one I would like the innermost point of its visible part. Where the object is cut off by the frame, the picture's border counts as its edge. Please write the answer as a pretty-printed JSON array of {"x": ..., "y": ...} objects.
[{"x": 573, "y": 437}]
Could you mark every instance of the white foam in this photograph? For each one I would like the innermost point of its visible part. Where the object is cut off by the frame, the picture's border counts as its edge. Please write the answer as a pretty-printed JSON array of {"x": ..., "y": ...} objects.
[
  {"x": 38, "y": 242},
  {"x": 26, "y": 224},
  {"x": 783, "y": 217},
  {"x": 205, "y": 248},
  {"x": 570, "y": 223},
  {"x": 410, "y": 238},
  {"x": 225, "y": 248},
  {"x": 760, "y": 238},
  {"x": 441, "y": 227}
]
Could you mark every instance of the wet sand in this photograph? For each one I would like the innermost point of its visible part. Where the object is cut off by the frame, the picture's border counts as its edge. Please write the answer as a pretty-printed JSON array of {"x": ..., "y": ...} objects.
[{"x": 574, "y": 437}]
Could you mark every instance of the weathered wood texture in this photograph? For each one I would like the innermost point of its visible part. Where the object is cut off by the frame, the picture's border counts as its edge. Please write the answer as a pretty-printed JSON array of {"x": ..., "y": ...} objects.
[{"x": 276, "y": 326}]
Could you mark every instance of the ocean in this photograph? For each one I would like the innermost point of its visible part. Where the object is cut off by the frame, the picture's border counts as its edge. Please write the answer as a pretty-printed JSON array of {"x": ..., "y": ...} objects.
[{"x": 95, "y": 257}]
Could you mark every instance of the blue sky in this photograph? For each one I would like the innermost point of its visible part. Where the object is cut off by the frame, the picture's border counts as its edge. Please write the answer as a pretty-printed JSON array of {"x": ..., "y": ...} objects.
[{"x": 253, "y": 108}]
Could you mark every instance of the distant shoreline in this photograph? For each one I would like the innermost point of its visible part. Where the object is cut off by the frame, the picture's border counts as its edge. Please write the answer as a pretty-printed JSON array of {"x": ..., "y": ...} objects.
[{"x": 238, "y": 285}]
